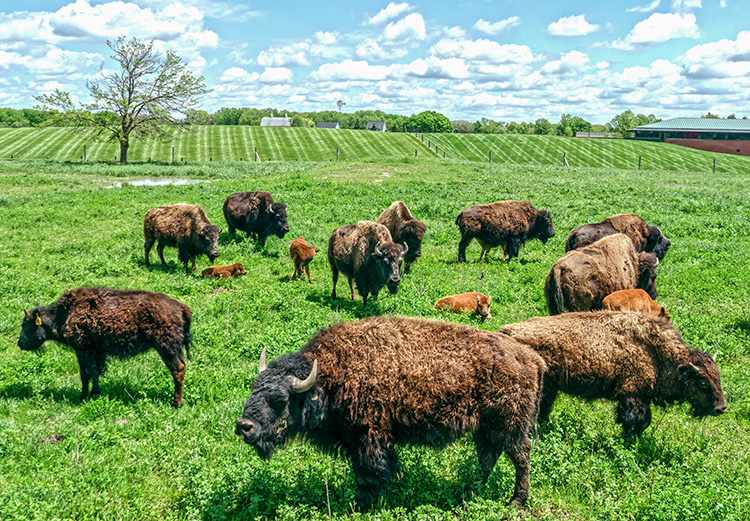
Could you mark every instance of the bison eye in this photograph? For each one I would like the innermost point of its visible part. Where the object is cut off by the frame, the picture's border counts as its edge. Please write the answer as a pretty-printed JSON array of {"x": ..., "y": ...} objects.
[{"x": 702, "y": 384}]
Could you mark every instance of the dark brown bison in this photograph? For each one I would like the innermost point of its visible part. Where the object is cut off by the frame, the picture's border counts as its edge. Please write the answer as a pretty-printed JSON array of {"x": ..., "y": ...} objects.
[
  {"x": 404, "y": 229},
  {"x": 256, "y": 214},
  {"x": 504, "y": 223},
  {"x": 644, "y": 237},
  {"x": 224, "y": 272},
  {"x": 102, "y": 322},
  {"x": 367, "y": 255},
  {"x": 301, "y": 254},
  {"x": 633, "y": 300},
  {"x": 362, "y": 387},
  {"x": 634, "y": 359},
  {"x": 184, "y": 226},
  {"x": 580, "y": 279},
  {"x": 472, "y": 301}
]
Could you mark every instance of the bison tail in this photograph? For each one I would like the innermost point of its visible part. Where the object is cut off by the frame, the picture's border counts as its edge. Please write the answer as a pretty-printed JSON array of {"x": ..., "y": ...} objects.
[{"x": 553, "y": 292}]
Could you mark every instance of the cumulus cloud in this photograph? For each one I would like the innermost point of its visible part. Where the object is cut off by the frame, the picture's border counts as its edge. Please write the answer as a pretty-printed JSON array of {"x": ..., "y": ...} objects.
[
  {"x": 572, "y": 26},
  {"x": 371, "y": 50},
  {"x": 573, "y": 62},
  {"x": 276, "y": 75},
  {"x": 644, "y": 8},
  {"x": 496, "y": 27},
  {"x": 686, "y": 5},
  {"x": 722, "y": 59},
  {"x": 659, "y": 28},
  {"x": 350, "y": 70},
  {"x": 411, "y": 27},
  {"x": 482, "y": 50},
  {"x": 390, "y": 12}
]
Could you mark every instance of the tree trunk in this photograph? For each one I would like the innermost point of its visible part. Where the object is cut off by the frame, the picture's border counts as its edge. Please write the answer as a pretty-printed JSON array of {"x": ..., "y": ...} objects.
[{"x": 124, "y": 144}]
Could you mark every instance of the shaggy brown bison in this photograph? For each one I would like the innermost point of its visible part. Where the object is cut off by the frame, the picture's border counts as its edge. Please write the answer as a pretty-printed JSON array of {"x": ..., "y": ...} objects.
[
  {"x": 644, "y": 237},
  {"x": 404, "y": 229},
  {"x": 634, "y": 359},
  {"x": 367, "y": 255},
  {"x": 224, "y": 272},
  {"x": 473, "y": 301},
  {"x": 184, "y": 226},
  {"x": 102, "y": 322},
  {"x": 504, "y": 223},
  {"x": 360, "y": 388},
  {"x": 256, "y": 214},
  {"x": 580, "y": 279},
  {"x": 301, "y": 254},
  {"x": 633, "y": 300}
]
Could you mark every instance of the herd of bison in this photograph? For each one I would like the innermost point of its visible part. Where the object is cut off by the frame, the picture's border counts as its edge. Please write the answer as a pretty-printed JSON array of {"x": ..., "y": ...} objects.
[{"x": 359, "y": 388}]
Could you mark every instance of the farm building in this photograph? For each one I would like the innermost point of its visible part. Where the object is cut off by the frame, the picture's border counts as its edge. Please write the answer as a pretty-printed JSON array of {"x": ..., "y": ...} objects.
[
  {"x": 376, "y": 125},
  {"x": 276, "y": 122},
  {"x": 728, "y": 136},
  {"x": 328, "y": 124}
]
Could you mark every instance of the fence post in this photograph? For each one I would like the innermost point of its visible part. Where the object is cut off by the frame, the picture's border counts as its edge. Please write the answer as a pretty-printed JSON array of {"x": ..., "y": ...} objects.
[
  {"x": 256, "y": 153},
  {"x": 714, "y": 166},
  {"x": 337, "y": 155},
  {"x": 173, "y": 154},
  {"x": 565, "y": 159},
  {"x": 436, "y": 150},
  {"x": 84, "y": 152},
  {"x": 639, "y": 162},
  {"x": 415, "y": 152},
  {"x": 490, "y": 156}
]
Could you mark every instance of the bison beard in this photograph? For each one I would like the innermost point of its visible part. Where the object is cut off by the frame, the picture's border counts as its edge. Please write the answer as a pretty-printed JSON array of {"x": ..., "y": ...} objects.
[{"x": 359, "y": 388}]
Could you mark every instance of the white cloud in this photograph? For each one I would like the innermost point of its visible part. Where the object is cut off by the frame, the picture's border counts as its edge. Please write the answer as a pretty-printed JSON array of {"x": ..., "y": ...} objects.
[
  {"x": 658, "y": 28},
  {"x": 685, "y": 5},
  {"x": 239, "y": 75},
  {"x": 644, "y": 8},
  {"x": 453, "y": 68},
  {"x": 483, "y": 51},
  {"x": 572, "y": 26},
  {"x": 412, "y": 27},
  {"x": 371, "y": 50},
  {"x": 350, "y": 70},
  {"x": 276, "y": 75},
  {"x": 496, "y": 27},
  {"x": 573, "y": 62},
  {"x": 391, "y": 11},
  {"x": 722, "y": 59}
]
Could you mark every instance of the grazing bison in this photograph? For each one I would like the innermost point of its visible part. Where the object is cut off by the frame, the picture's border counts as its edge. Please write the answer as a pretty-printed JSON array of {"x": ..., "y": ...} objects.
[
  {"x": 404, "y": 229},
  {"x": 505, "y": 223},
  {"x": 634, "y": 359},
  {"x": 102, "y": 322},
  {"x": 366, "y": 254},
  {"x": 224, "y": 272},
  {"x": 473, "y": 301},
  {"x": 301, "y": 254},
  {"x": 644, "y": 237},
  {"x": 580, "y": 279},
  {"x": 633, "y": 300},
  {"x": 256, "y": 214},
  {"x": 360, "y": 388},
  {"x": 184, "y": 226}
]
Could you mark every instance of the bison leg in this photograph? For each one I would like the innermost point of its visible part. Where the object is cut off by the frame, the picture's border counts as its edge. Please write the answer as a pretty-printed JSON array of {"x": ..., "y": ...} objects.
[
  {"x": 487, "y": 453},
  {"x": 160, "y": 251},
  {"x": 513, "y": 247},
  {"x": 177, "y": 367},
  {"x": 354, "y": 295},
  {"x": 463, "y": 243},
  {"x": 634, "y": 414},
  {"x": 520, "y": 455},
  {"x": 147, "y": 249},
  {"x": 374, "y": 463},
  {"x": 549, "y": 394},
  {"x": 335, "y": 280},
  {"x": 87, "y": 370},
  {"x": 307, "y": 270},
  {"x": 407, "y": 267}
]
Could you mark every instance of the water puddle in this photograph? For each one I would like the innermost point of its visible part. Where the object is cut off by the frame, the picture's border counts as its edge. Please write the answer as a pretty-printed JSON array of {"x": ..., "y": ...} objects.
[{"x": 162, "y": 181}]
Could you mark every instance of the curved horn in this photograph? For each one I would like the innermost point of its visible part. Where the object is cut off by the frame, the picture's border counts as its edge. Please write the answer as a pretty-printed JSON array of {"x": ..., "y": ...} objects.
[
  {"x": 715, "y": 355},
  {"x": 262, "y": 363},
  {"x": 270, "y": 209},
  {"x": 26, "y": 313},
  {"x": 302, "y": 386},
  {"x": 406, "y": 248},
  {"x": 377, "y": 250}
]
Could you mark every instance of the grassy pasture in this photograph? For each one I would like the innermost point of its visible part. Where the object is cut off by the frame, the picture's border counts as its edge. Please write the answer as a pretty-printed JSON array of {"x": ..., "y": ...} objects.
[{"x": 128, "y": 455}]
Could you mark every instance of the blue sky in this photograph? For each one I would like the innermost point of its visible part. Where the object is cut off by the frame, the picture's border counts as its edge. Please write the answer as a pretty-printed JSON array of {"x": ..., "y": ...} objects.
[{"x": 500, "y": 59}]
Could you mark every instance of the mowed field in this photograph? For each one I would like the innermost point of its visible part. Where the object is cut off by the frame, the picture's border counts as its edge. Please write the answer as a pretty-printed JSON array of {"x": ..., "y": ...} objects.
[{"x": 128, "y": 455}]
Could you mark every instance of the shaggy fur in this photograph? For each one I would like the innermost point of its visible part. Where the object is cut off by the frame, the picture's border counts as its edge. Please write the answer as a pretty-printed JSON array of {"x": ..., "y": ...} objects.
[
  {"x": 224, "y": 272},
  {"x": 352, "y": 251},
  {"x": 504, "y": 223},
  {"x": 184, "y": 226},
  {"x": 256, "y": 214},
  {"x": 102, "y": 322},
  {"x": 581, "y": 279},
  {"x": 634, "y": 359},
  {"x": 404, "y": 229},
  {"x": 301, "y": 254},
  {"x": 473, "y": 301},
  {"x": 386, "y": 381},
  {"x": 645, "y": 238},
  {"x": 633, "y": 300}
]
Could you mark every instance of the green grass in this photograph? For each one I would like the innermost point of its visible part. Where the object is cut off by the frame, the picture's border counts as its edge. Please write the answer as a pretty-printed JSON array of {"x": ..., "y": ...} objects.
[{"x": 128, "y": 455}]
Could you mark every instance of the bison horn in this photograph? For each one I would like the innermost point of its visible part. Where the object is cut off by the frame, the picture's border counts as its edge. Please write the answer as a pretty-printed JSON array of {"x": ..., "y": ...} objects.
[
  {"x": 406, "y": 248},
  {"x": 26, "y": 313},
  {"x": 270, "y": 210},
  {"x": 302, "y": 386},
  {"x": 715, "y": 355},
  {"x": 377, "y": 250},
  {"x": 692, "y": 366},
  {"x": 262, "y": 363}
]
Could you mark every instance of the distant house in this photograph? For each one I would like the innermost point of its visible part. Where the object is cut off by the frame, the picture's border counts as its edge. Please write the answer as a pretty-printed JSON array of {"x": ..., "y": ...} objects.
[
  {"x": 727, "y": 136},
  {"x": 276, "y": 122},
  {"x": 328, "y": 124},
  {"x": 376, "y": 125}
]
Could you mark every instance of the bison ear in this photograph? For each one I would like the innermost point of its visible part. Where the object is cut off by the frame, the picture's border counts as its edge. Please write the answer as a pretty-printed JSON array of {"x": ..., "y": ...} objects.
[{"x": 314, "y": 408}]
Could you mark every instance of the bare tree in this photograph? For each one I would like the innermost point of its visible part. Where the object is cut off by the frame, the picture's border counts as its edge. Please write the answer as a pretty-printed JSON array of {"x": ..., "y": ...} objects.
[{"x": 142, "y": 100}]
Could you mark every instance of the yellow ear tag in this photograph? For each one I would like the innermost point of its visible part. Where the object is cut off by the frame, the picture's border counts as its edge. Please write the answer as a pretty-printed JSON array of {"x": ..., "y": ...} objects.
[{"x": 38, "y": 320}]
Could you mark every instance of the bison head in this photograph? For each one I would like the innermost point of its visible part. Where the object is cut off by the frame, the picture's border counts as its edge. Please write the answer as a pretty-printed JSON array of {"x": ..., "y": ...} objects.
[
  {"x": 543, "y": 229},
  {"x": 411, "y": 235},
  {"x": 483, "y": 306},
  {"x": 388, "y": 258},
  {"x": 647, "y": 263},
  {"x": 702, "y": 385},
  {"x": 238, "y": 269},
  {"x": 277, "y": 224},
  {"x": 209, "y": 237},
  {"x": 656, "y": 243},
  {"x": 38, "y": 326},
  {"x": 284, "y": 401}
]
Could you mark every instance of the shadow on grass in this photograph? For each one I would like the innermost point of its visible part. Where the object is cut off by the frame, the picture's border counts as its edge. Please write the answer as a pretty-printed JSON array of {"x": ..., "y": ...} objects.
[
  {"x": 742, "y": 324},
  {"x": 345, "y": 303},
  {"x": 126, "y": 394}
]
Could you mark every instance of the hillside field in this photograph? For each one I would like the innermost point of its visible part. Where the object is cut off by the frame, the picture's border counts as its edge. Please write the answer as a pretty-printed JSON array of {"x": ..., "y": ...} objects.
[{"x": 128, "y": 455}]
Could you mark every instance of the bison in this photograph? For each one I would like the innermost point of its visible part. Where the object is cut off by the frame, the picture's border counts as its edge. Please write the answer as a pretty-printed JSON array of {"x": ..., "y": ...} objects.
[
  {"x": 633, "y": 300},
  {"x": 580, "y": 279},
  {"x": 256, "y": 214},
  {"x": 184, "y": 226},
  {"x": 360, "y": 388},
  {"x": 504, "y": 223},
  {"x": 102, "y": 322},
  {"x": 634, "y": 359},
  {"x": 404, "y": 229},
  {"x": 301, "y": 254},
  {"x": 645, "y": 238},
  {"x": 224, "y": 272},
  {"x": 473, "y": 301},
  {"x": 367, "y": 255}
]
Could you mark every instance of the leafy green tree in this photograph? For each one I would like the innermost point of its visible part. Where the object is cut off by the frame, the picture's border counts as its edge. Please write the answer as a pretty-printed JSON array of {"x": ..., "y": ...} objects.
[
  {"x": 461, "y": 126},
  {"x": 517, "y": 128},
  {"x": 141, "y": 100},
  {"x": 627, "y": 120},
  {"x": 199, "y": 117},
  {"x": 429, "y": 121},
  {"x": 542, "y": 127},
  {"x": 228, "y": 116},
  {"x": 569, "y": 125}
]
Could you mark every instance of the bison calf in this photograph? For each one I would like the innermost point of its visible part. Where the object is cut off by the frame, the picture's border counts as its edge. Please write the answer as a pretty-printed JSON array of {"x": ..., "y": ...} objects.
[
  {"x": 404, "y": 229},
  {"x": 224, "y": 272},
  {"x": 633, "y": 300},
  {"x": 301, "y": 254},
  {"x": 473, "y": 301},
  {"x": 634, "y": 359},
  {"x": 360, "y": 388},
  {"x": 102, "y": 322}
]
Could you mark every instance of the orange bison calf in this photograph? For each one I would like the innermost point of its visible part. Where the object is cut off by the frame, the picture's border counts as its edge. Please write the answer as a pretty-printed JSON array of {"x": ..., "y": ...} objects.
[
  {"x": 473, "y": 301},
  {"x": 301, "y": 253},
  {"x": 633, "y": 300},
  {"x": 224, "y": 272}
]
